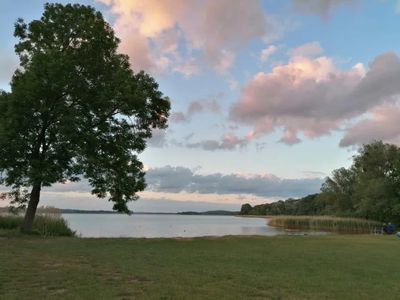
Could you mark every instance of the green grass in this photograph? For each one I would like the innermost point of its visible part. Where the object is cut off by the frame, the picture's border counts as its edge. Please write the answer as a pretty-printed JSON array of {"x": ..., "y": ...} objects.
[
  {"x": 44, "y": 225},
  {"x": 283, "y": 267},
  {"x": 10, "y": 222},
  {"x": 326, "y": 223}
]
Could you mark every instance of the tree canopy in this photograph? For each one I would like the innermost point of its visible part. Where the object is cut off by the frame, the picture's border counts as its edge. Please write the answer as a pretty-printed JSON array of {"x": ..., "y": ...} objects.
[
  {"x": 369, "y": 188},
  {"x": 76, "y": 109}
]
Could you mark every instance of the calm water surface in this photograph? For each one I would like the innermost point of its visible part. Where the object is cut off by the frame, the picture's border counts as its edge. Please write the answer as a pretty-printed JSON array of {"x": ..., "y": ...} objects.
[{"x": 151, "y": 226}]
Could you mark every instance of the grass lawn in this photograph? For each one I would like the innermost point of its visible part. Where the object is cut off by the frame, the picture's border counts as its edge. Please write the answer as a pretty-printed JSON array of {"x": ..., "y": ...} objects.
[{"x": 283, "y": 267}]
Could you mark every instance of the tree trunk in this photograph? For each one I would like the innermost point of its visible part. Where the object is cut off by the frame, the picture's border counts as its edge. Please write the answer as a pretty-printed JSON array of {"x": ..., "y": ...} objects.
[{"x": 32, "y": 206}]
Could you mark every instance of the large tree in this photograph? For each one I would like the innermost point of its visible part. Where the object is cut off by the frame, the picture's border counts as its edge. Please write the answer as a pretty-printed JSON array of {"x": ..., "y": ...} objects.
[
  {"x": 370, "y": 187},
  {"x": 377, "y": 184},
  {"x": 76, "y": 109}
]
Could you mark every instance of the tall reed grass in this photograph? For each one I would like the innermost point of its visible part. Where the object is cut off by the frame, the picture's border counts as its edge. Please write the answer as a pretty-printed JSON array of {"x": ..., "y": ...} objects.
[
  {"x": 326, "y": 223},
  {"x": 44, "y": 225}
]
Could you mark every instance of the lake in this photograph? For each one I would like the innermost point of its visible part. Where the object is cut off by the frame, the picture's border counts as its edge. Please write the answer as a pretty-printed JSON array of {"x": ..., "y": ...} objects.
[{"x": 154, "y": 226}]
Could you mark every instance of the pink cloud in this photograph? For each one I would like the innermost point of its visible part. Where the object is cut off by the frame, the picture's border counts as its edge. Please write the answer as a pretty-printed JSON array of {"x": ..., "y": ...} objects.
[
  {"x": 208, "y": 104},
  {"x": 228, "y": 142},
  {"x": 150, "y": 31},
  {"x": 266, "y": 53},
  {"x": 311, "y": 49},
  {"x": 198, "y": 106},
  {"x": 382, "y": 125},
  {"x": 313, "y": 96},
  {"x": 289, "y": 137}
]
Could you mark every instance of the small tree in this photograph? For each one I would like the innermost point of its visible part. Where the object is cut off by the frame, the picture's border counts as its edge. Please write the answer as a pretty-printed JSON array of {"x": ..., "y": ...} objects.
[
  {"x": 76, "y": 109},
  {"x": 337, "y": 191},
  {"x": 246, "y": 209}
]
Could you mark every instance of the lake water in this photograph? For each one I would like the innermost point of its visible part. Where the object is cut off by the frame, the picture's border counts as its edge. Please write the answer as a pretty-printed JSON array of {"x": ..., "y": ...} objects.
[{"x": 152, "y": 226}]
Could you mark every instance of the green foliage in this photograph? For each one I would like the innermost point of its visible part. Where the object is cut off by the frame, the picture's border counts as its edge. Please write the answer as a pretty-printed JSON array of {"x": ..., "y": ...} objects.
[
  {"x": 377, "y": 186},
  {"x": 43, "y": 225},
  {"x": 369, "y": 188},
  {"x": 10, "y": 222},
  {"x": 326, "y": 223},
  {"x": 48, "y": 226},
  {"x": 18, "y": 197},
  {"x": 304, "y": 206},
  {"x": 246, "y": 209},
  {"x": 76, "y": 108},
  {"x": 337, "y": 191}
]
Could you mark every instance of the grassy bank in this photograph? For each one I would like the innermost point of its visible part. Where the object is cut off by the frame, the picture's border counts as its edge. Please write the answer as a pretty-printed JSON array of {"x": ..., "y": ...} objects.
[
  {"x": 44, "y": 225},
  {"x": 283, "y": 267},
  {"x": 325, "y": 223}
]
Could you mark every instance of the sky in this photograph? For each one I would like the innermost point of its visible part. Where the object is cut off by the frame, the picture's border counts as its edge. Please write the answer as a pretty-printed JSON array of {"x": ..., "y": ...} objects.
[{"x": 268, "y": 97}]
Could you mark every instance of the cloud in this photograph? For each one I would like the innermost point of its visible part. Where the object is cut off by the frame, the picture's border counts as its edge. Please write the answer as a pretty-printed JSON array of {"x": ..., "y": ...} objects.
[
  {"x": 228, "y": 142},
  {"x": 266, "y": 53},
  {"x": 170, "y": 180},
  {"x": 312, "y": 96},
  {"x": 224, "y": 61},
  {"x": 198, "y": 106},
  {"x": 178, "y": 117},
  {"x": 320, "y": 7},
  {"x": 81, "y": 186},
  {"x": 149, "y": 201},
  {"x": 154, "y": 33},
  {"x": 312, "y": 49},
  {"x": 211, "y": 198},
  {"x": 179, "y": 179},
  {"x": 206, "y": 105},
  {"x": 179, "y": 187},
  {"x": 289, "y": 138},
  {"x": 382, "y": 125},
  {"x": 158, "y": 139},
  {"x": 163, "y": 205},
  {"x": 209, "y": 104},
  {"x": 232, "y": 83},
  {"x": 187, "y": 68}
]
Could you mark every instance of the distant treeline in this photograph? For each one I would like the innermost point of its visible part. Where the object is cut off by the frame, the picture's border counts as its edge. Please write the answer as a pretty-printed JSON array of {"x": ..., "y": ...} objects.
[
  {"x": 54, "y": 210},
  {"x": 40, "y": 210},
  {"x": 82, "y": 211},
  {"x": 210, "y": 213},
  {"x": 369, "y": 188},
  {"x": 308, "y": 205}
]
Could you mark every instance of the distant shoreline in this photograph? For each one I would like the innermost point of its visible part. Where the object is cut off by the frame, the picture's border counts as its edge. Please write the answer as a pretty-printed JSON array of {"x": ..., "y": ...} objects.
[{"x": 189, "y": 213}]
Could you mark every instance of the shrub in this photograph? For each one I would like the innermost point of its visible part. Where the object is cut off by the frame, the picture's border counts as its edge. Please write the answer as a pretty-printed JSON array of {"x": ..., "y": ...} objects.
[
  {"x": 44, "y": 225},
  {"x": 325, "y": 223},
  {"x": 10, "y": 221}
]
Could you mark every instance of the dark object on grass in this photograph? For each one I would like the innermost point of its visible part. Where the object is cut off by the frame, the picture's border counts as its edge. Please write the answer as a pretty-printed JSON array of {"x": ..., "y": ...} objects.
[{"x": 388, "y": 228}]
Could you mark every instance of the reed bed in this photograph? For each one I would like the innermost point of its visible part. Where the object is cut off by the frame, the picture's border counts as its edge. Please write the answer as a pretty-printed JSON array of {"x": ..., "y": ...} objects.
[
  {"x": 326, "y": 223},
  {"x": 44, "y": 225}
]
